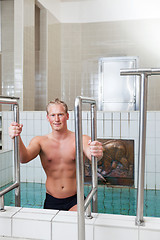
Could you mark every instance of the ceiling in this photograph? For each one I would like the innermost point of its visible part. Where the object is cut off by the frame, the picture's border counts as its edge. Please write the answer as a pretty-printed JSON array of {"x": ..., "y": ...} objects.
[{"x": 73, "y": 0}]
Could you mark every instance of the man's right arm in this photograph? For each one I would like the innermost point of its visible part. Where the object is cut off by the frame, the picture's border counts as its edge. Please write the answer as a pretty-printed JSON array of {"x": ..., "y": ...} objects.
[{"x": 26, "y": 153}]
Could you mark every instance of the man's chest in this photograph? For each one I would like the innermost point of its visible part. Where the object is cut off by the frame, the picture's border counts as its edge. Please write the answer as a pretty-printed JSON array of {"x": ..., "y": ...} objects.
[{"x": 57, "y": 153}]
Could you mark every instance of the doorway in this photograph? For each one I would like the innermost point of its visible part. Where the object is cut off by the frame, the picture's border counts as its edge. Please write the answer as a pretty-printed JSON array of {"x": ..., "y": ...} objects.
[{"x": 118, "y": 93}]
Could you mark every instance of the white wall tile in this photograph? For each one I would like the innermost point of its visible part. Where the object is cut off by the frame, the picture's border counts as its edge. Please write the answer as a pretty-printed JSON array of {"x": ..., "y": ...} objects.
[
  {"x": 37, "y": 115},
  {"x": 116, "y": 227},
  {"x": 30, "y": 174},
  {"x": 145, "y": 181},
  {"x": 30, "y": 115},
  {"x": 71, "y": 115},
  {"x": 44, "y": 115},
  {"x": 37, "y": 222},
  {"x": 38, "y": 162},
  {"x": 37, "y": 124},
  {"x": 133, "y": 129},
  {"x": 100, "y": 130},
  {"x": 10, "y": 115},
  {"x": 157, "y": 163},
  {"x": 84, "y": 127},
  {"x": 134, "y": 116},
  {"x": 45, "y": 128},
  {"x": 116, "y": 129},
  {"x": 43, "y": 176},
  {"x": 5, "y": 227},
  {"x": 115, "y": 233},
  {"x": 125, "y": 116},
  {"x": 151, "y": 229},
  {"x": 71, "y": 125},
  {"x": 149, "y": 234},
  {"x": 150, "y": 146},
  {"x": 38, "y": 175},
  {"x": 157, "y": 116},
  {"x": 31, "y": 163},
  {"x": 23, "y": 173},
  {"x": 157, "y": 140},
  {"x": 157, "y": 129},
  {"x": 23, "y": 115},
  {"x": 58, "y": 234},
  {"x": 89, "y": 127},
  {"x": 151, "y": 116},
  {"x": 68, "y": 222},
  {"x": 124, "y": 129},
  {"x": 30, "y": 127},
  {"x": 5, "y": 126},
  {"x": 107, "y": 129},
  {"x": 150, "y": 163},
  {"x": 6, "y": 221},
  {"x": 107, "y": 115},
  {"x": 100, "y": 116},
  {"x": 116, "y": 116},
  {"x": 157, "y": 181},
  {"x": 150, "y": 180},
  {"x": 150, "y": 129}
]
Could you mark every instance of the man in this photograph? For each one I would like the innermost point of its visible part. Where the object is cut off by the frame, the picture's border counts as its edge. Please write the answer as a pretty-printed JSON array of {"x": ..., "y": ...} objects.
[{"x": 57, "y": 154}]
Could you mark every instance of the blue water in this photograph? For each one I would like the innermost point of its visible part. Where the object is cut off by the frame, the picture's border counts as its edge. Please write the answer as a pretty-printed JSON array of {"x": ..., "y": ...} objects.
[{"x": 112, "y": 200}]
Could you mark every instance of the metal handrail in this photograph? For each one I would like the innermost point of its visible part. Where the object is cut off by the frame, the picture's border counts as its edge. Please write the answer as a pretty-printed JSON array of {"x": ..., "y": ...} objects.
[
  {"x": 143, "y": 73},
  {"x": 81, "y": 204},
  {"x": 16, "y": 185}
]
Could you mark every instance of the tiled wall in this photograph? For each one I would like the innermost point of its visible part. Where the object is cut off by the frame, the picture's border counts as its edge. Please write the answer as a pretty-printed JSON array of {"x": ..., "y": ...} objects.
[
  {"x": 48, "y": 54},
  {"x": 7, "y": 40},
  {"x": 116, "y": 125},
  {"x": 54, "y": 59},
  {"x": 83, "y": 44},
  {"x": 18, "y": 50},
  {"x": 67, "y": 61},
  {"x": 41, "y": 61},
  {"x": 28, "y": 77},
  {"x": 6, "y": 167}
]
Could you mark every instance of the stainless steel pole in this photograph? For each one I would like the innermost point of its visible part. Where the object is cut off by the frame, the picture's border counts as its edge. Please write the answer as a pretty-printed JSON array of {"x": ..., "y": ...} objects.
[
  {"x": 80, "y": 165},
  {"x": 136, "y": 71},
  {"x": 2, "y": 204},
  {"x": 16, "y": 185},
  {"x": 141, "y": 150},
  {"x": 16, "y": 159},
  {"x": 143, "y": 73},
  {"x": 94, "y": 160}
]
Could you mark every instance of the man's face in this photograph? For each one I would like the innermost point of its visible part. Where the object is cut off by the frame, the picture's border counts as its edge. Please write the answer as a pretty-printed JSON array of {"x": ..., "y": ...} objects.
[{"x": 57, "y": 117}]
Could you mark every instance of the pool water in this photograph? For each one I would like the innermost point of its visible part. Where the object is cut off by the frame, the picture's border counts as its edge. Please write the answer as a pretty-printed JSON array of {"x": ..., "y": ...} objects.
[{"x": 112, "y": 200}]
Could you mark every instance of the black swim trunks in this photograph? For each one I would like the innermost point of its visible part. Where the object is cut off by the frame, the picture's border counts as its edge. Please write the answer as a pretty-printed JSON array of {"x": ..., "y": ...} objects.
[{"x": 60, "y": 203}]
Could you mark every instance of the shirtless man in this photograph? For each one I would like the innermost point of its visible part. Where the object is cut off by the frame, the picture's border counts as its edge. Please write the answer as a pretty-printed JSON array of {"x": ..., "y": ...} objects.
[{"x": 57, "y": 154}]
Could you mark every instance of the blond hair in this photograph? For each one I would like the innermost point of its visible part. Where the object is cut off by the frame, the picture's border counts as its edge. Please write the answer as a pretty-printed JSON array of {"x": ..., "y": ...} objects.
[{"x": 57, "y": 101}]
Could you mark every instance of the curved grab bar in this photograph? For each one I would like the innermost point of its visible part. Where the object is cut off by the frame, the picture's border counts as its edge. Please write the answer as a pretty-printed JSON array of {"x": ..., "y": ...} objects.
[
  {"x": 136, "y": 71},
  {"x": 16, "y": 185},
  {"x": 81, "y": 204},
  {"x": 143, "y": 73}
]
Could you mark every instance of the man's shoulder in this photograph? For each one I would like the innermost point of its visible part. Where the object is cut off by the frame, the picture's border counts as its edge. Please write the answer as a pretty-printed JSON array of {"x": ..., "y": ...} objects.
[{"x": 39, "y": 138}]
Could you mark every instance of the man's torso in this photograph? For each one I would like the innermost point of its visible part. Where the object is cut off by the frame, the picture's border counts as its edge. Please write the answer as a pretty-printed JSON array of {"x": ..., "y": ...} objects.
[{"x": 58, "y": 161}]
